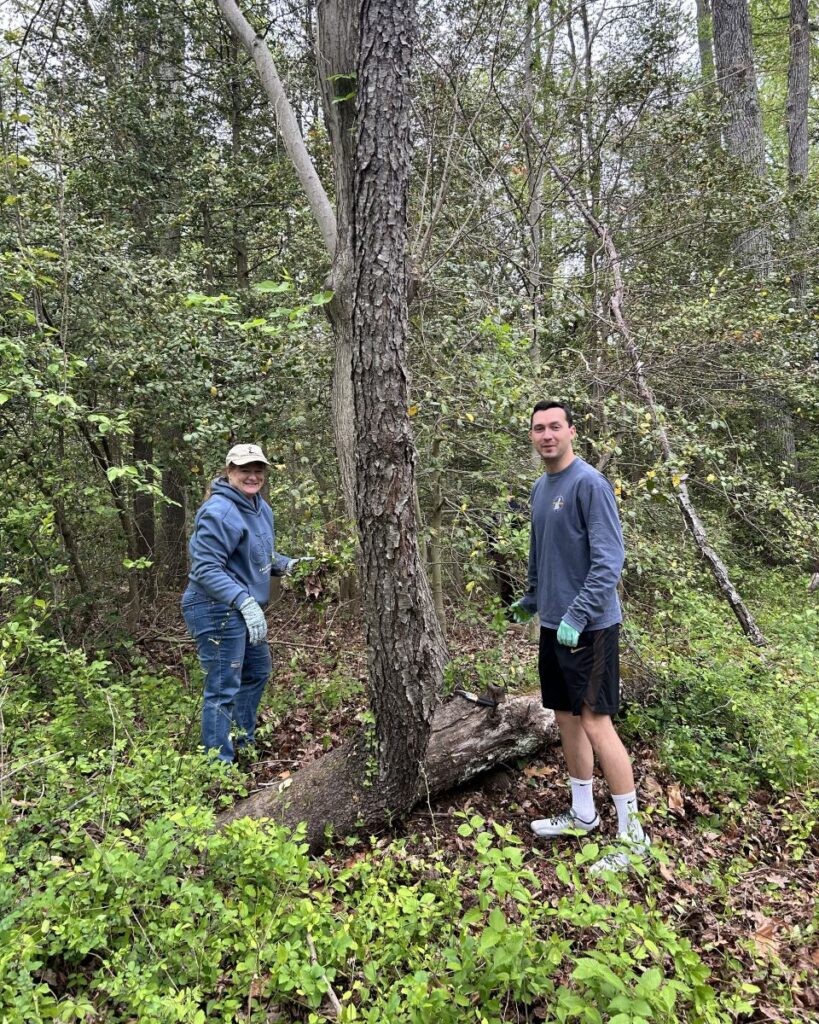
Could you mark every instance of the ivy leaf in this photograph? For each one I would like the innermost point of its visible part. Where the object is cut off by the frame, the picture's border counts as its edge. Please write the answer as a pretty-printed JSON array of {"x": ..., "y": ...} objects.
[{"x": 272, "y": 287}]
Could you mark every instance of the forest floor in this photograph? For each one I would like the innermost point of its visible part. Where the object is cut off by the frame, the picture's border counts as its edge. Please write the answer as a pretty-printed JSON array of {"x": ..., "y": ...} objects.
[{"x": 734, "y": 881}]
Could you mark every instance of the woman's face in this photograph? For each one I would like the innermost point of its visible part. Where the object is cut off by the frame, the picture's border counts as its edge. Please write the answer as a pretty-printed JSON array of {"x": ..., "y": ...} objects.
[{"x": 248, "y": 479}]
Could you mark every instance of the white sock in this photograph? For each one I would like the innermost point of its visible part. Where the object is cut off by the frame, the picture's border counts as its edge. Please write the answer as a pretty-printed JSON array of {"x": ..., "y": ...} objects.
[
  {"x": 627, "y": 821},
  {"x": 583, "y": 799}
]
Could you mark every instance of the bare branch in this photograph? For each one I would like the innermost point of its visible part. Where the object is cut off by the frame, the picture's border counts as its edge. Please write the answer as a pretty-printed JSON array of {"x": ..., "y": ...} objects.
[
  {"x": 692, "y": 520},
  {"x": 258, "y": 50}
]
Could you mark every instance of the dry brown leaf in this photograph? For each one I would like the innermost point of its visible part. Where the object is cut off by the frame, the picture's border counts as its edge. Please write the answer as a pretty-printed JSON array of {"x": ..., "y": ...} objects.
[
  {"x": 256, "y": 988},
  {"x": 765, "y": 936},
  {"x": 675, "y": 801},
  {"x": 667, "y": 874},
  {"x": 650, "y": 788},
  {"x": 770, "y": 1013},
  {"x": 532, "y": 770}
]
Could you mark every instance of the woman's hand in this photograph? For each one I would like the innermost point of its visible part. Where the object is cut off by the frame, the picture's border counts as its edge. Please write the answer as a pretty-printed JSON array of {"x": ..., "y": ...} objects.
[{"x": 256, "y": 622}]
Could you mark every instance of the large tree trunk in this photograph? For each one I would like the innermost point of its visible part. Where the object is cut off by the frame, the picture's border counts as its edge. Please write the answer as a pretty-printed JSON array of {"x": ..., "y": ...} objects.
[
  {"x": 797, "y": 124},
  {"x": 465, "y": 741},
  {"x": 744, "y": 141},
  {"x": 405, "y": 644},
  {"x": 336, "y": 63},
  {"x": 534, "y": 183}
]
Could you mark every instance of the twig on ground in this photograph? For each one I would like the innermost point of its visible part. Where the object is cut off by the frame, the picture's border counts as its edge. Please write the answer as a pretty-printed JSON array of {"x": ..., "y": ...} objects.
[{"x": 331, "y": 994}]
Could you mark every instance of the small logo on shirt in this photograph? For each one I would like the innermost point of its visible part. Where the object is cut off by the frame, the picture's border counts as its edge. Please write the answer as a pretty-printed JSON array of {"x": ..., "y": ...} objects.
[{"x": 558, "y": 503}]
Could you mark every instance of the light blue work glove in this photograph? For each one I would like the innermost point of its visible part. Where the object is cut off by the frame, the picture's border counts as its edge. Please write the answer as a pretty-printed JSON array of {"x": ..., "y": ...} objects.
[
  {"x": 293, "y": 562},
  {"x": 518, "y": 613},
  {"x": 567, "y": 635},
  {"x": 256, "y": 623}
]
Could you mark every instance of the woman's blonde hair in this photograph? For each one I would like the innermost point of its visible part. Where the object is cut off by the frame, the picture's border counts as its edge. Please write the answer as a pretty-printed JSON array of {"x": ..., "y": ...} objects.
[{"x": 221, "y": 475}]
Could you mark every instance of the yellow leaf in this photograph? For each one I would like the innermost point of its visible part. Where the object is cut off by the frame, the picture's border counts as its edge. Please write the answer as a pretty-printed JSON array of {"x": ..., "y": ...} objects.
[
  {"x": 470, "y": 417},
  {"x": 675, "y": 479},
  {"x": 413, "y": 409},
  {"x": 214, "y": 391},
  {"x": 470, "y": 586}
]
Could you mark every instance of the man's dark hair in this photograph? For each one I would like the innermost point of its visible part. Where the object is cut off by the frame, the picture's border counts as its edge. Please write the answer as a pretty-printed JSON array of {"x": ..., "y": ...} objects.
[{"x": 540, "y": 406}]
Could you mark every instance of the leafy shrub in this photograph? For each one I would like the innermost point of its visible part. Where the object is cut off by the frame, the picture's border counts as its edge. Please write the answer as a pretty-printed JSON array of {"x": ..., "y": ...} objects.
[
  {"x": 181, "y": 923},
  {"x": 730, "y": 717}
]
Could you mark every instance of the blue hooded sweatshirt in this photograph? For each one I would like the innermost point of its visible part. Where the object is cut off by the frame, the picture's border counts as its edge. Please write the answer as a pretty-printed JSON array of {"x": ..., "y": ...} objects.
[{"x": 232, "y": 549}]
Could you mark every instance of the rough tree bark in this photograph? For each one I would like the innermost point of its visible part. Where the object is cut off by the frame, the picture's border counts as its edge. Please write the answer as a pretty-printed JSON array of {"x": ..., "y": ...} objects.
[
  {"x": 744, "y": 141},
  {"x": 376, "y": 776},
  {"x": 692, "y": 520},
  {"x": 404, "y": 639},
  {"x": 797, "y": 125}
]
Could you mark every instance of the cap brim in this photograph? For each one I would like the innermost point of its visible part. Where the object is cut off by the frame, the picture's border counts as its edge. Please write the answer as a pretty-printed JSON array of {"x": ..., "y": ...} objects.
[{"x": 244, "y": 460}]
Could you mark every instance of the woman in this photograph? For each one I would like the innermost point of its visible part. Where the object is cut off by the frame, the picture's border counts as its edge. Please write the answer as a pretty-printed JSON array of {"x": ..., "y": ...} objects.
[{"x": 232, "y": 557}]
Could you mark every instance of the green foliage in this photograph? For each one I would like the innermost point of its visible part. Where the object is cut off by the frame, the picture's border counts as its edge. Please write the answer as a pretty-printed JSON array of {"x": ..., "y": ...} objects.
[
  {"x": 176, "y": 922},
  {"x": 118, "y": 898},
  {"x": 729, "y": 717},
  {"x": 161, "y": 295}
]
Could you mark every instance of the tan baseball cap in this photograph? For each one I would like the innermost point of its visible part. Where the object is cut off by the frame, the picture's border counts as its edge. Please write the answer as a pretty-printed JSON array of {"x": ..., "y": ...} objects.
[{"x": 241, "y": 454}]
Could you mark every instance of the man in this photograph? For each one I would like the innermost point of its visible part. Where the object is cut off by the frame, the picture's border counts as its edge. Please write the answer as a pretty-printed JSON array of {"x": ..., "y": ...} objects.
[{"x": 575, "y": 558}]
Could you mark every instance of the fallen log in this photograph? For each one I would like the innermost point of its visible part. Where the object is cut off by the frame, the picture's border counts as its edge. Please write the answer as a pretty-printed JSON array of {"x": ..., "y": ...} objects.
[{"x": 338, "y": 794}]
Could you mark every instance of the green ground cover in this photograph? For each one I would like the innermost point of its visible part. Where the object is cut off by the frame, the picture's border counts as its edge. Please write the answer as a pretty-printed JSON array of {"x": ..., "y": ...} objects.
[{"x": 120, "y": 903}]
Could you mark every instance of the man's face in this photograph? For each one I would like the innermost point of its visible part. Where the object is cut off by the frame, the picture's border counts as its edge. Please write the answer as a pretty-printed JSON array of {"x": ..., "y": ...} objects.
[{"x": 552, "y": 437}]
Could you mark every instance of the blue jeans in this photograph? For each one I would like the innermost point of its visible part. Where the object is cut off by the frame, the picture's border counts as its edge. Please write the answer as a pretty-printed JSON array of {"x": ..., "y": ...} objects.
[{"x": 235, "y": 672}]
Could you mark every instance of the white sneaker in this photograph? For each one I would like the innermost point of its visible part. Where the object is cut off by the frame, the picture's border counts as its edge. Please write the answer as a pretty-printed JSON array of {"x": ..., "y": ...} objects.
[
  {"x": 622, "y": 858},
  {"x": 561, "y": 824}
]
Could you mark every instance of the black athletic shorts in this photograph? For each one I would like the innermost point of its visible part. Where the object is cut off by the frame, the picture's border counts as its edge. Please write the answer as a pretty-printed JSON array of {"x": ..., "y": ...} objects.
[{"x": 587, "y": 674}]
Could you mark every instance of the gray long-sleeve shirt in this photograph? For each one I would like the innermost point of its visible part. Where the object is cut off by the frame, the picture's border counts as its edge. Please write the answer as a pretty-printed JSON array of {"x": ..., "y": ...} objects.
[{"x": 575, "y": 549}]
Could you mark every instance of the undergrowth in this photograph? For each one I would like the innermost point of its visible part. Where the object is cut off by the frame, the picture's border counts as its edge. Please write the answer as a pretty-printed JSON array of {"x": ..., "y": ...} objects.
[
  {"x": 119, "y": 901},
  {"x": 727, "y": 717}
]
